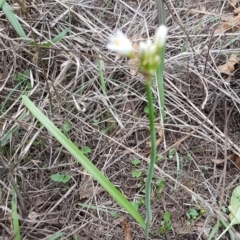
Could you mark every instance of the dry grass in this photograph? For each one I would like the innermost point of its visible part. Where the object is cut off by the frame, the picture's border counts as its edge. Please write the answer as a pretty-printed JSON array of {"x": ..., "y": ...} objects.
[{"x": 199, "y": 103}]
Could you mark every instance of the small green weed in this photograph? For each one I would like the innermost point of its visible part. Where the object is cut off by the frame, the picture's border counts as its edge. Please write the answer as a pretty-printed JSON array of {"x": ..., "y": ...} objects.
[
  {"x": 85, "y": 150},
  {"x": 66, "y": 127},
  {"x": 159, "y": 186},
  {"x": 136, "y": 162},
  {"x": 22, "y": 80},
  {"x": 95, "y": 122},
  {"x": 138, "y": 202},
  {"x": 136, "y": 173},
  {"x": 58, "y": 177},
  {"x": 165, "y": 225},
  {"x": 192, "y": 214}
]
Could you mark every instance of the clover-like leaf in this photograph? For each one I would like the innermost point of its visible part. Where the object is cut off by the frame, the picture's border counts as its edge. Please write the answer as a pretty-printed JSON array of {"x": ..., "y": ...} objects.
[{"x": 64, "y": 178}]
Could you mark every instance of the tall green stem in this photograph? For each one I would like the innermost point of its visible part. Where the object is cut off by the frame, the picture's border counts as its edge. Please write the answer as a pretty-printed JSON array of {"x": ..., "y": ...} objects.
[
  {"x": 152, "y": 156},
  {"x": 159, "y": 70}
]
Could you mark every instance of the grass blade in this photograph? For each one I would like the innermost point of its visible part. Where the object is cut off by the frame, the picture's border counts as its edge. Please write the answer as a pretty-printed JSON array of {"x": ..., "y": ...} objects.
[
  {"x": 16, "y": 229},
  {"x": 60, "y": 35},
  {"x": 13, "y": 20},
  {"x": 102, "y": 80},
  {"x": 82, "y": 159},
  {"x": 56, "y": 236}
]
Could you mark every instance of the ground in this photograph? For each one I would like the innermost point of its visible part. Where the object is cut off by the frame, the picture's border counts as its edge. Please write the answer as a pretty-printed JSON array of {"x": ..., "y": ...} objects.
[{"x": 197, "y": 167}]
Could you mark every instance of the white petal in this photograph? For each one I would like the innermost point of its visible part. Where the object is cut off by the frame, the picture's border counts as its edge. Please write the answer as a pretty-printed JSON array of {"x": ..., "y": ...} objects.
[
  {"x": 161, "y": 35},
  {"x": 142, "y": 47},
  {"x": 147, "y": 47},
  {"x": 120, "y": 43}
]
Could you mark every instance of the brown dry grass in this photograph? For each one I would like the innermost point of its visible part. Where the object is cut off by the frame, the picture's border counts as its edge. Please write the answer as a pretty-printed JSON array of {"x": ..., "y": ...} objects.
[{"x": 199, "y": 103}]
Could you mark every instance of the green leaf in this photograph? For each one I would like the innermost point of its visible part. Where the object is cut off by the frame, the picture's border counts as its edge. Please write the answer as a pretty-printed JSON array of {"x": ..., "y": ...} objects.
[
  {"x": 146, "y": 110},
  {"x": 166, "y": 216},
  {"x": 159, "y": 158},
  {"x": 60, "y": 35},
  {"x": 172, "y": 153},
  {"x": 64, "y": 178},
  {"x": 135, "y": 162},
  {"x": 86, "y": 150},
  {"x": 66, "y": 126},
  {"x": 82, "y": 159},
  {"x": 21, "y": 76},
  {"x": 95, "y": 122},
  {"x": 224, "y": 209},
  {"x": 213, "y": 231},
  {"x": 136, "y": 174},
  {"x": 192, "y": 213},
  {"x": 12, "y": 19},
  {"x": 15, "y": 222},
  {"x": 135, "y": 205},
  {"x": 160, "y": 184},
  {"x": 56, "y": 39},
  {"x": 234, "y": 207}
]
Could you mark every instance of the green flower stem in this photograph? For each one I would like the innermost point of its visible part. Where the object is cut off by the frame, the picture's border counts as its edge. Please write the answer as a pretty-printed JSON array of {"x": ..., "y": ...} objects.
[
  {"x": 159, "y": 70},
  {"x": 152, "y": 156},
  {"x": 160, "y": 87}
]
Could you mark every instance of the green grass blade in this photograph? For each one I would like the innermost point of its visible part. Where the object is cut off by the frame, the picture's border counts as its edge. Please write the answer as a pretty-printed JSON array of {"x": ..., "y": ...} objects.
[
  {"x": 47, "y": 44},
  {"x": 60, "y": 36},
  {"x": 7, "y": 97},
  {"x": 13, "y": 20},
  {"x": 16, "y": 229},
  {"x": 82, "y": 159},
  {"x": 56, "y": 236},
  {"x": 102, "y": 80}
]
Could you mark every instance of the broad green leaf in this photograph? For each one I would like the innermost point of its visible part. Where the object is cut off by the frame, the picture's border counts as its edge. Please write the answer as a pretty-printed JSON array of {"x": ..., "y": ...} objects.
[
  {"x": 136, "y": 174},
  {"x": 166, "y": 216},
  {"x": 234, "y": 207},
  {"x": 136, "y": 161},
  {"x": 82, "y": 159},
  {"x": 64, "y": 178}
]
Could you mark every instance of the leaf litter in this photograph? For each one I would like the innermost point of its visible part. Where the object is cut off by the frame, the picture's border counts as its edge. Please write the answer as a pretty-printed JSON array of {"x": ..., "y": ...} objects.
[
  {"x": 229, "y": 67},
  {"x": 230, "y": 23}
]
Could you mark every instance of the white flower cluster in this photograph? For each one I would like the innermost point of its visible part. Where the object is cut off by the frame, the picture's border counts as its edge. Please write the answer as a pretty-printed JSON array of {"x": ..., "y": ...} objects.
[
  {"x": 148, "y": 51},
  {"x": 120, "y": 43}
]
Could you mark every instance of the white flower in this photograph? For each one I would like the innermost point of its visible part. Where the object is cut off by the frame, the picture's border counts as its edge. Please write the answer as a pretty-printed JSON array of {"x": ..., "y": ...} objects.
[
  {"x": 120, "y": 43},
  {"x": 161, "y": 35},
  {"x": 146, "y": 48}
]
